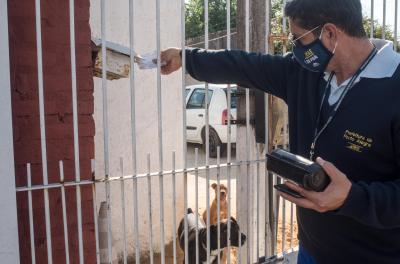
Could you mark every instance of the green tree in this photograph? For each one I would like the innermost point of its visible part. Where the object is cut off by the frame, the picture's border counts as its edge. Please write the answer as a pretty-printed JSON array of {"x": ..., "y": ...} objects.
[
  {"x": 217, "y": 16},
  {"x": 217, "y": 20},
  {"x": 378, "y": 29}
]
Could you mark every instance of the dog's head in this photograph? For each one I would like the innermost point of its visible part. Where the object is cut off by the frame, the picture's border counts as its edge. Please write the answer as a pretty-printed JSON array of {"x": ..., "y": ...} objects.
[
  {"x": 223, "y": 191},
  {"x": 234, "y": 234}
]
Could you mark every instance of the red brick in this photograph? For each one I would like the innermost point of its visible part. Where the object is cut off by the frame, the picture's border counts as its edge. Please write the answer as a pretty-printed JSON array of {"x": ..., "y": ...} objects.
[
  {"x": 24, "y": 87},
  {"x": 86, "y": 107},
  {"x": 19, "y": 7},
  {"x": 26, "y": 108},
  {"x": 27, "y": 152},
  {"x": 59, "y": 126},
  {"x": 82, "y": 3},
  {"x": 84, "y": 56},
  {"x": 29, "y": 127}
]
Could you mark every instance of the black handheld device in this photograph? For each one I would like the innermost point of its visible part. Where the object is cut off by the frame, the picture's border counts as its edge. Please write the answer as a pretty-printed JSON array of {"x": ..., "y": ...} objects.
[
  {"x": 310, "y": 175},
  {"x": 283, "y": 188}
]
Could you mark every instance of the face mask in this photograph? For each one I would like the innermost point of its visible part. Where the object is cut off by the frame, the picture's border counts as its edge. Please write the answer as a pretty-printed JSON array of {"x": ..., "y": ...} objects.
[{"x": 315, "y": 56}]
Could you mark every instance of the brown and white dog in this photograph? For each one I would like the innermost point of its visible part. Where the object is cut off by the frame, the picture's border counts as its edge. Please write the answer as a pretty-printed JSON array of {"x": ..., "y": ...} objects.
[{"x": 223, "y": 214}]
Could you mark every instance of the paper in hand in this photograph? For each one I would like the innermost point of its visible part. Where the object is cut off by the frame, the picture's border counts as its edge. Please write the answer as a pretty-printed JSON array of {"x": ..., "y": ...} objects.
[{"x": 147, "y": 61}]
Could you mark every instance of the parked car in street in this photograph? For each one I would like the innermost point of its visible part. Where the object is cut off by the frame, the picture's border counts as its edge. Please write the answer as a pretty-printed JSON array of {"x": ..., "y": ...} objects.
[{"x": 218, "y": 115}]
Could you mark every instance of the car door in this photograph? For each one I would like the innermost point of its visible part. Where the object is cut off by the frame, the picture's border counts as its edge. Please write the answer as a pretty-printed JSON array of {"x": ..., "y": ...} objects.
[{"x": 195, "y": 114}]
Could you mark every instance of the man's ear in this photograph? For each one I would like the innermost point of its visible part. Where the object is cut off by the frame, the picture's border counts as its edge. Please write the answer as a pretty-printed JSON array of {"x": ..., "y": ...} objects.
[
  {"x": 331, "y": 31},
  {"x": 214, "y": 186}
]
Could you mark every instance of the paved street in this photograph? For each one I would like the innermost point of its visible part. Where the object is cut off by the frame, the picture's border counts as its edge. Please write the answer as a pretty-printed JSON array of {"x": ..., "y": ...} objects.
[{"x": 202, "y": 161}]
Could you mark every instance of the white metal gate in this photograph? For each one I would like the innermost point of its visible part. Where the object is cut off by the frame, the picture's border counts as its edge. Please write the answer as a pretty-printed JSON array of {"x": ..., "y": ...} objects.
[{"x": 262, "y": 223}]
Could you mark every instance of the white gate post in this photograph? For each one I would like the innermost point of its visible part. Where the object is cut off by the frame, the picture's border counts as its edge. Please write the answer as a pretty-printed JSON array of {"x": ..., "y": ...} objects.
[{"x": 9, "y": 248}]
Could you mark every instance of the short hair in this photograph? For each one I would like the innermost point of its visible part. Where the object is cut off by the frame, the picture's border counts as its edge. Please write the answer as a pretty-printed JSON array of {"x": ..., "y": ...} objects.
[{"x": 345, "y": 14}]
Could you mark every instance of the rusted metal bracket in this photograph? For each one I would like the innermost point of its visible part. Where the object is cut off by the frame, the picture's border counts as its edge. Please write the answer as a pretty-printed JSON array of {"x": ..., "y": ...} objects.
[{"x": 118, "y": 60}]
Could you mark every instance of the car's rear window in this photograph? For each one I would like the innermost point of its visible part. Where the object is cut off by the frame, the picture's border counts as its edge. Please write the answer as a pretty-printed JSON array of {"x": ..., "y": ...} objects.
[
  {"x": 197, "y": 99},
  {"x": 233, "y": 97}
]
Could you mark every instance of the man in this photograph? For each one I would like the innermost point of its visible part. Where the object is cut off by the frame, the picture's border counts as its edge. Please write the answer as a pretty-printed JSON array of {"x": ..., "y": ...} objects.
[{"x": 343, "y": 94}]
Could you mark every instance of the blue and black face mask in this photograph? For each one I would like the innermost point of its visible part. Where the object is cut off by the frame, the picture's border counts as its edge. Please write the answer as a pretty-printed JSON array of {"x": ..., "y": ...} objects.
[{"x": 315, "y": 56}]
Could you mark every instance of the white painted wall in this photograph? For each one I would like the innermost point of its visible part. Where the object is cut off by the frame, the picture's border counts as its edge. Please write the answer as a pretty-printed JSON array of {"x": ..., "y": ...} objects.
[
  {"x": 9, "y": 249},
  {"x": 146, "y": 117}
]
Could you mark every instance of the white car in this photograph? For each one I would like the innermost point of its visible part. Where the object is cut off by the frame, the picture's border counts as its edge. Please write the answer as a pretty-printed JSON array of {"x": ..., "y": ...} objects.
[{"x": 218, "y": 115}]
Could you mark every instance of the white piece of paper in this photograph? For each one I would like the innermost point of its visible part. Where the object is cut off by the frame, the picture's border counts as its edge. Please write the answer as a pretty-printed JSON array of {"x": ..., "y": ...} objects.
[{"x": 148, "y": 61}]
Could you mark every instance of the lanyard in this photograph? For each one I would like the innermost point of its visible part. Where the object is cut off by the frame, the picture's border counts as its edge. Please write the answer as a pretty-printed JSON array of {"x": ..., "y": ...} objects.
[{"x": 317, "y": 132}]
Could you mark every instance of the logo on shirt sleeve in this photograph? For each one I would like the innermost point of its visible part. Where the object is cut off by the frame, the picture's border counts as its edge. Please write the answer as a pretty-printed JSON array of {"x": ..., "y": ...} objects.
[{"x": 357, "y": 142}]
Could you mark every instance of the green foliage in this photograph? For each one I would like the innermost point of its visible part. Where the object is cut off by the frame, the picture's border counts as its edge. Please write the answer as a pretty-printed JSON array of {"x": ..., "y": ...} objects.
[
  {"x": 217, "y": 20},
  {"x": 378, "y": 29},
  {"x": 217, "y": 16}
]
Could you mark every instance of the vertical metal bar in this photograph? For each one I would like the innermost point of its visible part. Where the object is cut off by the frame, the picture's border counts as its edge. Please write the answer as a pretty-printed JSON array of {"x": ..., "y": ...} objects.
[
  {"x": 372, "y": 18},
  {"x": 286, "y": 134},
  {"x": 109, "y": 224},
  {"x": 248, "y": 173},
  {"x": 284, "y": 28},
  {"x": 174, "y": 206},
  {"x": 31, "y": 226},
  {"x": 291, "y": 225},
  {"x": 160, "y": 140},
  {"x": 64, "y": 212},
  {"x": 396, "y": 12},
  {"x": 9, "y": 221},
  {"x": 149, "y": 212},
  {"x": 258, "y": 204},
  {"x": 207, "y": 132},
  {"x": 49, "y": 246},
  {"x": 96, "y": 226},
  {"x": 121, "y": 164},
  {"x": 384, "y": 20},
  {"x": 218, "y": 203},
  {"x": 133, "y": 130},
  {"x": 184, "y": 144},
  {"x": 208, "y": 211},
  {"x": 268, "y": 188},
  {"x": 196, "y": 173},
  {"x": 283, "y": 224},
  {"x": 276, "y": 201},
  {"x": 75, "y": 125},
  {"x": 105, "y": 125},
  {"x": 268, "y": 224},
  {"x": 162, "y": 245},
  {"x": 229, "y": 142},
  {"x": 43, "y": 128},
  {"x": 79, "y": 215}
]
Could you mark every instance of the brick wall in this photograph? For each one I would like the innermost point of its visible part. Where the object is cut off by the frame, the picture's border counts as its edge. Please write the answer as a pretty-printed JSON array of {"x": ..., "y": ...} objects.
[{"x": 59, "y": 128}]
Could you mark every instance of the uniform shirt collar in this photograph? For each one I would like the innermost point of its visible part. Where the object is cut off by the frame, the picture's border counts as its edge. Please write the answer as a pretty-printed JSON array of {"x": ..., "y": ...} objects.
[{"x": 383, "y": 65}]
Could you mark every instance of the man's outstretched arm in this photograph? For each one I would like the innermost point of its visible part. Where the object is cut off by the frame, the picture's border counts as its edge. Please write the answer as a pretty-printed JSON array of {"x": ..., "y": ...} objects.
[{"x": 253, "y": 70}]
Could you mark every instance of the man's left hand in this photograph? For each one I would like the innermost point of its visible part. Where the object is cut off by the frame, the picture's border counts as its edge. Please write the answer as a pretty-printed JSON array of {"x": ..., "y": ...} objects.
[{"x": 331, "y": 199}]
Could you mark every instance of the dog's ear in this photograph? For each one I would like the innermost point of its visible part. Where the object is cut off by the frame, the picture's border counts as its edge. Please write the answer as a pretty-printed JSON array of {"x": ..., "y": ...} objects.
[
  {"x": 233, "y": 220},
  {"x": 214, "y": 186}
]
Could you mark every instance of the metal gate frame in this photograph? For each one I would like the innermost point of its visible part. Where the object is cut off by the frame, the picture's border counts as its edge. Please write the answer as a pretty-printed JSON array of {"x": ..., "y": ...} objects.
[
  {"x": 9, "y": 252},
  {"x": 8, "y": 222}
]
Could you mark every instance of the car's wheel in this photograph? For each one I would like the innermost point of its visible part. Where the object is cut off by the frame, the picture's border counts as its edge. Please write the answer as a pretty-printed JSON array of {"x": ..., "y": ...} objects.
[{"x": 214, "y": 142}]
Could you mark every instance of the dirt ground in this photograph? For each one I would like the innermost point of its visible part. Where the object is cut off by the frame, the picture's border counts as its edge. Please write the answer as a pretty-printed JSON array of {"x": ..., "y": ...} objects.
[
  {"x": 288, "y": 240},
  {"x": 202, "y": 206}
]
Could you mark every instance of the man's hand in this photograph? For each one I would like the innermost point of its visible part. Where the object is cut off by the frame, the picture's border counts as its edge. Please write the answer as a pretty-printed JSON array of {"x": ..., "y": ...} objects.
[
  {"x": 173, "y": 60},
  {"x": 331, "y": 199}
]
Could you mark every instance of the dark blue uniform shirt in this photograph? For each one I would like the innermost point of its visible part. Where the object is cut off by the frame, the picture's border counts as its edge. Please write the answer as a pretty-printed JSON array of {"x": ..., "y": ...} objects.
[{"x": 363, "y": 141}]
